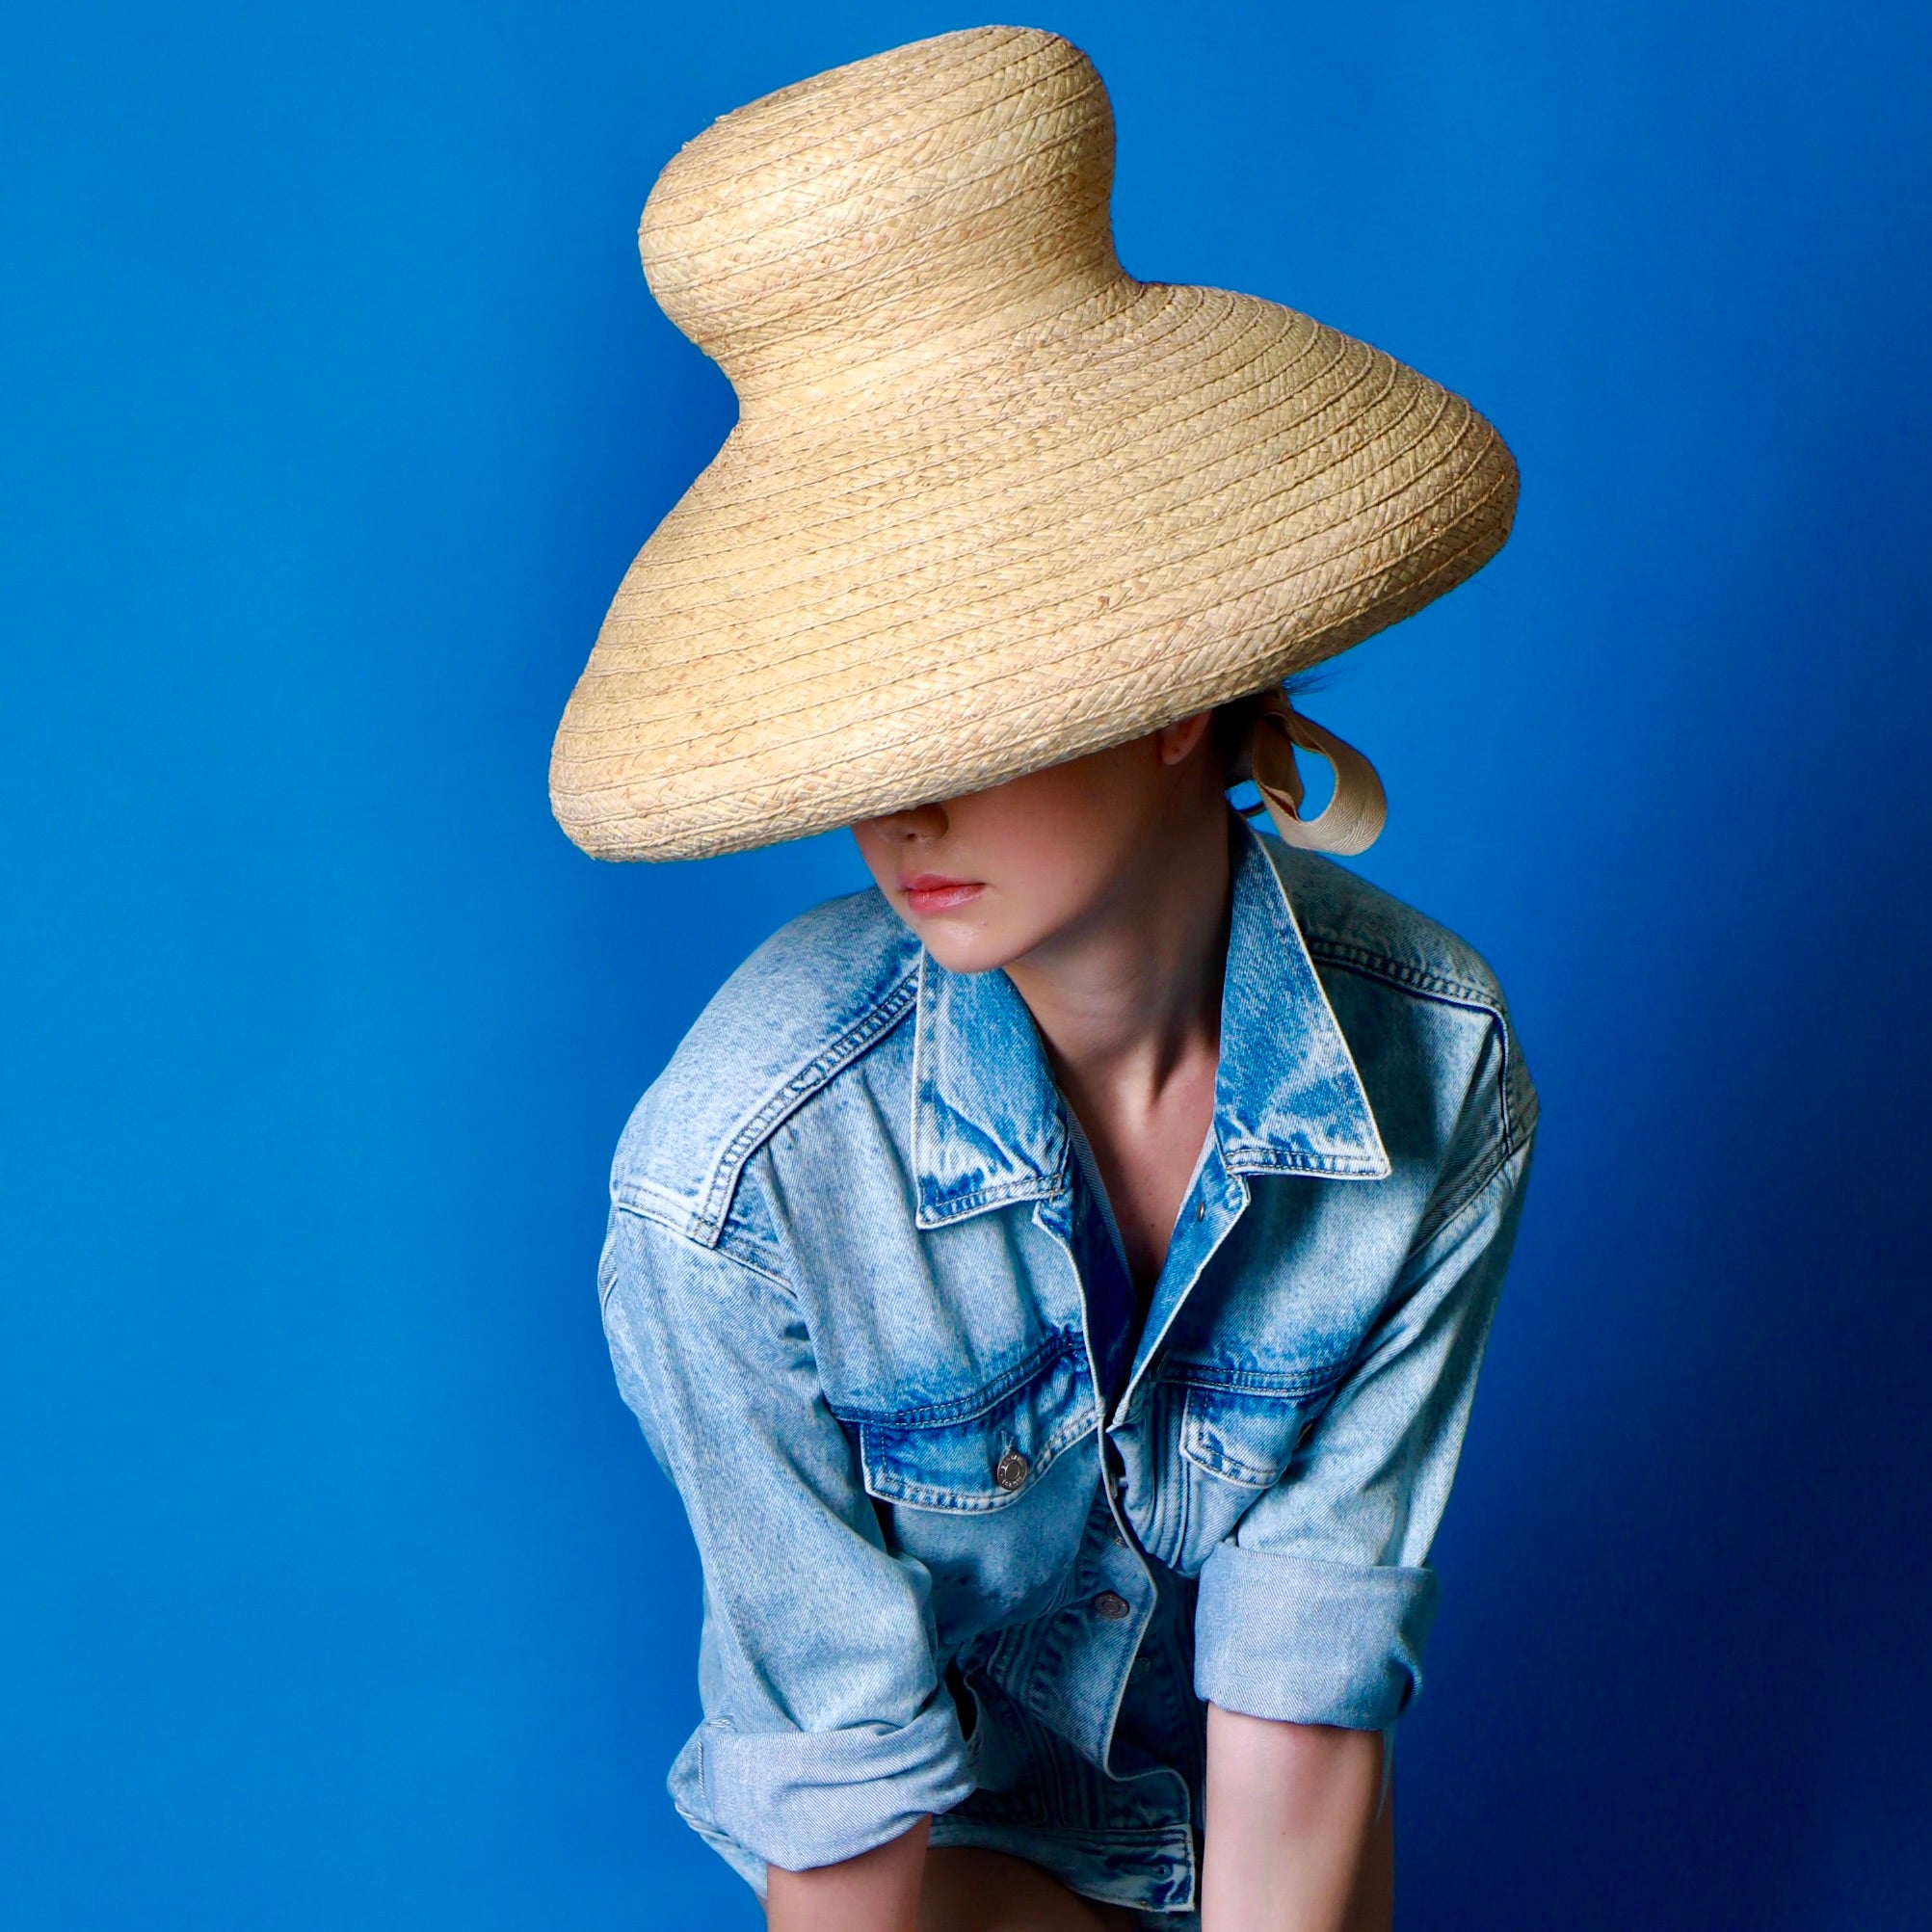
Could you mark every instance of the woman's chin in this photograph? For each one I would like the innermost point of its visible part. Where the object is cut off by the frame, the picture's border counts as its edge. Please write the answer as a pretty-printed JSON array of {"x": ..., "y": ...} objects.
[{"x": 961, "y": 946}]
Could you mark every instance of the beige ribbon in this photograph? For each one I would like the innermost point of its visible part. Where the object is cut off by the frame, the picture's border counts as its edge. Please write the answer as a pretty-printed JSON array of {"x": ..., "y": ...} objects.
[{"x": 1353, "y": 818}]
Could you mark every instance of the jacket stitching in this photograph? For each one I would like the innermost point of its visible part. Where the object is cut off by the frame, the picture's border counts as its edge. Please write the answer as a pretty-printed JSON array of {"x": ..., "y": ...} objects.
[
  {"x": 954, "y": 1207},
  {"x": 1465, "y": 1200},
  {"x": 1444, "y": 991},
  {"x": 1378, "y": 1164},
  {"x": 1285, "y": 1382},
  {"x": 881, "y": 1479},
  {"x": 1251, "y": 1158},
  {"x": 1341, "y": 953},
  {"x": 1184, "y": 1487},
  {"x": 977, "y": 1401},
  {"x": 947, "y": 1205},
  {"x": 816, "y": 1073},
  {"x": 1506, "y": 1151},
  {"x": 787, "y": 1289}
]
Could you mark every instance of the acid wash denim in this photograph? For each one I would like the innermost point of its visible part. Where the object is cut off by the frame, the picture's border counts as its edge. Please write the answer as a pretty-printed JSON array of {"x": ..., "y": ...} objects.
[{"x": 975, "y": 1540}]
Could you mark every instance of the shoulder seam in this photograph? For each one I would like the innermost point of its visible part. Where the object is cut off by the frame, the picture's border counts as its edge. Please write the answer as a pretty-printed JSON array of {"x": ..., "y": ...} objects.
[
  {"x": 1514, "y": 1138},
  {"x": 1452, "y": 1211},
  {"x": 1398, "y": 972},
  {"x": 637, "y": 1213},
  {"x": 1448, "y": 991},
  {"x": 816, "y": 1073}
]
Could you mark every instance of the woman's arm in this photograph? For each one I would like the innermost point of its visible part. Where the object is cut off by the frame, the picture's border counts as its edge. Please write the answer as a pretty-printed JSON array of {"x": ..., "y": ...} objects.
[
  {"x": 1296, "y": 1840},
  {"x": 829, "y": 1732},
  {"x": 876, "y": 1891}
]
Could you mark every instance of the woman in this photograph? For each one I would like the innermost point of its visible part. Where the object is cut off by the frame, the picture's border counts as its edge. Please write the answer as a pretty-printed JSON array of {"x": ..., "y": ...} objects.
[{"x": 1055, "y": 1282}]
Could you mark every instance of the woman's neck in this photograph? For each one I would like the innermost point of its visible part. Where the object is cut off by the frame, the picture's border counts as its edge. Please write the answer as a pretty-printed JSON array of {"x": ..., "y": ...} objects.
[{"x": 1128, "y": 1001}]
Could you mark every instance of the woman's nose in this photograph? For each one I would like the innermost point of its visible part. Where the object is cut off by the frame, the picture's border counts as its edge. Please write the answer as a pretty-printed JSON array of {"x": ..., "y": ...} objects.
[{"x": 920, "y": 821}]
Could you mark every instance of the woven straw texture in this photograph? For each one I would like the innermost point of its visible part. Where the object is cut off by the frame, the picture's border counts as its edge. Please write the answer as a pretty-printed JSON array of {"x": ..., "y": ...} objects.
[{"x": 991, "y": 503}]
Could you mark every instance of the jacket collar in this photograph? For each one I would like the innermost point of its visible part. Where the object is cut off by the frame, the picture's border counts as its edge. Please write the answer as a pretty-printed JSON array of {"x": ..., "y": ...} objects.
[{"x": 987, "y": 1121}]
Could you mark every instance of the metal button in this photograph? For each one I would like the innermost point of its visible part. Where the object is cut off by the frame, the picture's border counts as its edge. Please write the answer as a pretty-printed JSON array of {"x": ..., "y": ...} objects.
[
  {"x": 1112, "y": 1606},
  {"x": 1011, "y": 1471}
]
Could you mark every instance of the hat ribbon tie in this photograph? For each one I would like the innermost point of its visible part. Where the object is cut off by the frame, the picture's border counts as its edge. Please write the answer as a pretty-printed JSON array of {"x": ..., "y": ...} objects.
[{"x": 1353, "y": 817}]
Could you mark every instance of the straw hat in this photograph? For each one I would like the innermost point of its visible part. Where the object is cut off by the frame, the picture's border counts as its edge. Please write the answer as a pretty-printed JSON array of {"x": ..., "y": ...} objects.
[{"x": 991, "y": 503}]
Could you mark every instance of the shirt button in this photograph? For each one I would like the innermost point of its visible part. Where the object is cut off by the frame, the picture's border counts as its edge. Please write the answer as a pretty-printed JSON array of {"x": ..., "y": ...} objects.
[
  {"x": 1112, "y": 1606},
  {"x": 1011, "y": 1471}
]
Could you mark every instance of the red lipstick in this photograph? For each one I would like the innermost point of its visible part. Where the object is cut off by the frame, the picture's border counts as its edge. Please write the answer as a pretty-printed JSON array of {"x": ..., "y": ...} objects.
[{"x": 932, "y": 893}]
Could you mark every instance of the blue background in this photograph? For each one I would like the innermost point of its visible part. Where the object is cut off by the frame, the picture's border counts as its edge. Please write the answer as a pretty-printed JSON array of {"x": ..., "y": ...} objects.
[{"x": 338, "y": 1587}]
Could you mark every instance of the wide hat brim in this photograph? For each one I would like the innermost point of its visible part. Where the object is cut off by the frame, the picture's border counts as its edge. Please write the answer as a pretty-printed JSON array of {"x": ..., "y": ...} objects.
[{"x": 952, "y": 554}]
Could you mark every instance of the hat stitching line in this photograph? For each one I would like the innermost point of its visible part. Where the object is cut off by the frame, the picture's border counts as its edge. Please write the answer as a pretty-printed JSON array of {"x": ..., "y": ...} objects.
[
  {"x": 908, "y": 271},
  {"x": 886, "y": 553},
  {"x": 691, "y": 809},
  {"x": 1149, "y": 319},
  {"x": 817, "y": 92},
  {"x": 1116, "y": 349},
  {"x": 1370, "y": 557},
  {"x": 1146, "y": 448},
  {"x": 1181, "y": 652},
  {"x": 1175, "y": 446},
  {"x": 697, "y": 825},
  {"x": 773, "y": 431},
  {"x": 1006, "y": 132},
  {"x": 1371, "y": 460},
  {"x": 1119, "y": 278},
  {"x": 787, "y": 340},
  {"x": 771, "y": 119},
  {"x": 1132, "y": 320},
  {"x": 1044, "y": 609},
  {"x": 776, "y": 421},
  {"x": 902, "y": 87},
  {"x": 971, "y": 57},
  {"x": 984, "y": 100},
  {"x": 1191, "y": 333}
]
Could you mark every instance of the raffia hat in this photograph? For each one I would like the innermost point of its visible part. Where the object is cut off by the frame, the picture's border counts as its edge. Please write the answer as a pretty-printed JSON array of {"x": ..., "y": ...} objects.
[{"x": 991, "y": 503}]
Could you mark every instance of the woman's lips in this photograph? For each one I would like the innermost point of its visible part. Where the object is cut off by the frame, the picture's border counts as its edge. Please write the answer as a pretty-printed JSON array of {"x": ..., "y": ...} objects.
[{"x": 929, "y": 892}]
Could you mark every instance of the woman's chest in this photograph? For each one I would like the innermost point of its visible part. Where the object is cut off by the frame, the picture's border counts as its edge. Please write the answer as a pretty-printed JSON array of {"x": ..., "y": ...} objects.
[{"x": 990, "y": 1375}]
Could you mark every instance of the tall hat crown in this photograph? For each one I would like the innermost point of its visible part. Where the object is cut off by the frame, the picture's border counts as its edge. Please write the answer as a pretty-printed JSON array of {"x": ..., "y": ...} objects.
[{"x": 942, "y": 186}]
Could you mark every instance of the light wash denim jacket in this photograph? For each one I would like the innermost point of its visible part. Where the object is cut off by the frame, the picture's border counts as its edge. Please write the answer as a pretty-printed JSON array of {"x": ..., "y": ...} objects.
[{"x": 974, "y": 1542}]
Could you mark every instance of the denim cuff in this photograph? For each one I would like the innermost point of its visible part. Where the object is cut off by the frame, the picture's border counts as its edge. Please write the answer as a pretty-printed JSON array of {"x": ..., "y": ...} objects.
[
  {"x": 1289, "y": 1637},
  {"x": 800, "y": 1799}
]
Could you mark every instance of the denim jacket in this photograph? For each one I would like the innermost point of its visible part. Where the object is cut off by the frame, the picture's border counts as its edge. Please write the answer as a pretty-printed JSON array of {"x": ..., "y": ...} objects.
[{"x": 977, "y": 1539}]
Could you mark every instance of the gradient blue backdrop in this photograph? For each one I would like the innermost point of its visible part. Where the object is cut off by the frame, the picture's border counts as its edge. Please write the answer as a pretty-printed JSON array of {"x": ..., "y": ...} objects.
[{"x": 338, "y": 1588}]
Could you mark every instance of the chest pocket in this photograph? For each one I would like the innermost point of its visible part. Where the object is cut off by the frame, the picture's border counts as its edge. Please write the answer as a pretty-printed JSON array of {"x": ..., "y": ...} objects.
[
  {"x": 1248, "y": 1435},
  {"x": 983, "y": 1450}
]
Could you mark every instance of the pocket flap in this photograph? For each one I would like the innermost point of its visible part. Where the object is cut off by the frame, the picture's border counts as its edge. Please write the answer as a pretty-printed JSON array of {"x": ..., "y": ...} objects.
[
  {"x": 986, "y": 1449},
  {"x": 1247, "y": 1436}
]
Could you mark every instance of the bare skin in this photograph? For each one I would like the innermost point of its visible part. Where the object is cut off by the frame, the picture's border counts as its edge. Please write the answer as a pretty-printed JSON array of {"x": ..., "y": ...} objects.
[
  {"x": 1101, "y": 887},
  {"x": 1293, "y": 1838}
]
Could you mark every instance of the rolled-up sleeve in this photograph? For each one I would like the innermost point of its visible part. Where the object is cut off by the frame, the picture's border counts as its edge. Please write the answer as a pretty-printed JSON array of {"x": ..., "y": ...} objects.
[
  {"x": 1317, "y": 1607},
  {"x": 827, "y": 1729}
]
